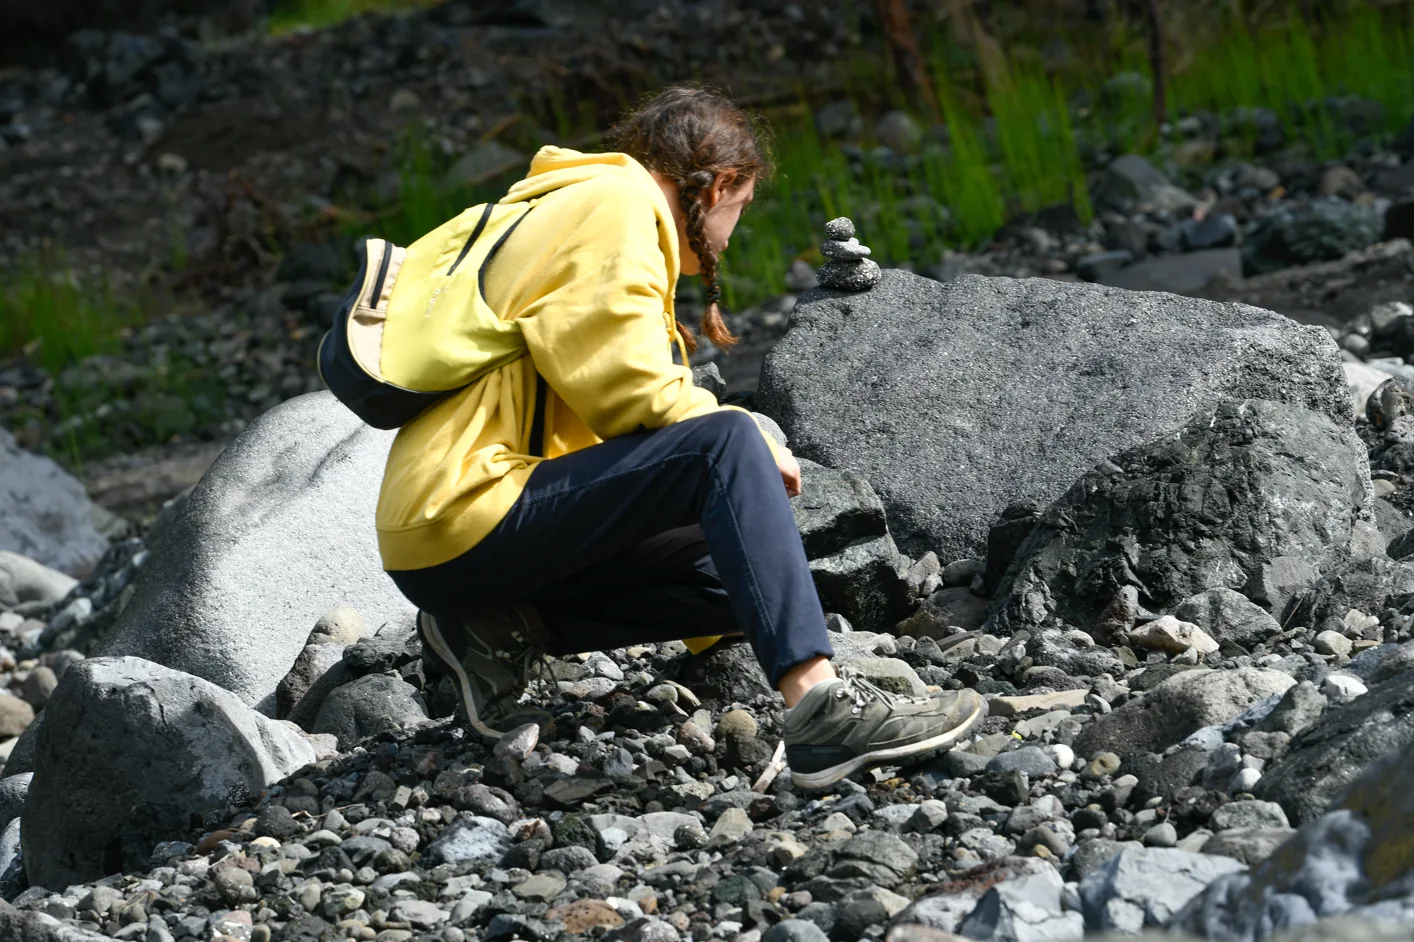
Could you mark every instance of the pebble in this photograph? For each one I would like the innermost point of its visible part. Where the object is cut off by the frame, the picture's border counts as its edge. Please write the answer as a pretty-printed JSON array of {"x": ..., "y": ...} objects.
[
  {"x": 1332, "y": 643},
  {"x": 518, "y": 743},
  {"x": 1063, "y": 755},
  {"x": 1161, "y": 835},
  {"x": 1342, "y": 688},
  {"x": 1105, "y": 763}
]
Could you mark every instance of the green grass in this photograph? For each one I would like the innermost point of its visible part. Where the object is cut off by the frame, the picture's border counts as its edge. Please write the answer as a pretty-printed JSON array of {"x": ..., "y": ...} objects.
[
  {"x": 291, "y": 15},
  {"x": 1013, "y": 141},
  {"x": 54, "y": 317}
]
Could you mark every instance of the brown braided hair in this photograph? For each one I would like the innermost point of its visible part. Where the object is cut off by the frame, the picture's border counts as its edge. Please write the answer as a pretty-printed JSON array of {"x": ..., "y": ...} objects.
[{"x": 691, "y": 135}]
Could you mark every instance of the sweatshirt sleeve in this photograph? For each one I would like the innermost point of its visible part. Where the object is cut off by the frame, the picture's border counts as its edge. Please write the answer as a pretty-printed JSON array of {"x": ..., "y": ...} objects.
[{"x": 598, "y": 333}]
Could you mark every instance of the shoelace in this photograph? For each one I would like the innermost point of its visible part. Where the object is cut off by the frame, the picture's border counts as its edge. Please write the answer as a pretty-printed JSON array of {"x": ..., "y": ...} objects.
[{"x": 864, "y": 691}]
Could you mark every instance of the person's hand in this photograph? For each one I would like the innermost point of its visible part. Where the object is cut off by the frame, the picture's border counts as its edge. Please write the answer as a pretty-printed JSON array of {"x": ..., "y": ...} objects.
[{"x": 790, "y": 471}]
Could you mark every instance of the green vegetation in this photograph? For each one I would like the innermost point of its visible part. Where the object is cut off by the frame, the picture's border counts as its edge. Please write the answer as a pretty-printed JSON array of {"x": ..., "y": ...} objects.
[
  {"x": 1014, "y": 133},
  {"x": 291, "y": 15},
  {"x": 110, "y": 393},
  {"x": 54, "y": 317}
]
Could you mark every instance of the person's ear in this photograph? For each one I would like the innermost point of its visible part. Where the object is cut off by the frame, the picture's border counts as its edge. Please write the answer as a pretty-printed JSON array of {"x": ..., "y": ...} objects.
[{"x": 723, "y": 182}]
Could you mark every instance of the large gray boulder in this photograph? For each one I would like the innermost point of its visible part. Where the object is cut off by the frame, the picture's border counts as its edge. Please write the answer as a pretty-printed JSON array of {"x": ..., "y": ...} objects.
[
  {"x": 48, "y": 516},
  {"x": 1327, "y": 756},
  {"x": 1178, "y": 707},
  {"x": 131, "y": 754},
  {"x": 1355, "y": 861},
  {"x": 279, "y": 531},
  {"x": 937, "y": 391},
  {"x": 1138, "y": 888},
  {"x": 1368, "y": 584},
  {"x": 1255, "y": 496}
]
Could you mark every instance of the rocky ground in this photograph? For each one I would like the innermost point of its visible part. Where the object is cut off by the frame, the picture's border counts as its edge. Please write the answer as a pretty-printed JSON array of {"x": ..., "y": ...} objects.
[
  {"x": 1196, "y": 648},
  {"x": 1167, "y": 536}
]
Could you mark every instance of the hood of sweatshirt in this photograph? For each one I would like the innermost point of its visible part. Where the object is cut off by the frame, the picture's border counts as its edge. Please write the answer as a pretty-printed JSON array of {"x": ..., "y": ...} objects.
[{"x": 554, "y": 168}]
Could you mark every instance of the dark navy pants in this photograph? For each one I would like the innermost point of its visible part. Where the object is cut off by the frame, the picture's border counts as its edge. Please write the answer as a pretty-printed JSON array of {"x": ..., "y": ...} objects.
[{"x": 678, "y": 533}]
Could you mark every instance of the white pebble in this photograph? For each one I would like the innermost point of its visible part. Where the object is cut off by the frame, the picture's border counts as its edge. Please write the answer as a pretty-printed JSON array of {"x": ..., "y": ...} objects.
[
  {"x": 1063, "y": 754},
  {"x": 1244, "y": 781},
  {"x": 1343, "y": 688}
]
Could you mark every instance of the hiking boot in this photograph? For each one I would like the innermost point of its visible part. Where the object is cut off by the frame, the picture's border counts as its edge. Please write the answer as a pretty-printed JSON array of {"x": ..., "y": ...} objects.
[
  {"x": 847, "y": 724},
  {"x": 490, "y": 657}
]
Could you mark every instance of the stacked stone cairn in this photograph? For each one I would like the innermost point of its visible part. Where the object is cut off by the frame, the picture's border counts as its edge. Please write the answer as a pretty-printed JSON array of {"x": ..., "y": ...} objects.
[{"x": 849, "y": 267}]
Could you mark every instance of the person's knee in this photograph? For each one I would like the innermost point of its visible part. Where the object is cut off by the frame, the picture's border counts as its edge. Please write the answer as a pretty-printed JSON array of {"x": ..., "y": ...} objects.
[{"x": 732, "y": 430}]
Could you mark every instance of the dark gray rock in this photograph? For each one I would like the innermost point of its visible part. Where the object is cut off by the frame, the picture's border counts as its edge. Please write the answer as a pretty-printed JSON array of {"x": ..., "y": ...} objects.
[
  {"x": 1228, "y": 617},
  {"x": 795, "y": 930},
  {"x": 48, "y": 518},
  {"x": 1139, "y": 888},
  {"x": 30, "y": 30},
  {"x": 1248, "y": 814},
  {"x": 1249, "y": 846},
  {"x": 1298, "y": 708},
  {"x": 1173, "y": 774},
  {"x": 708, "y": 377},
  {"x": 1028, "y": 907},
  {"x": 1005, "y": 537},
  {"x": 376, "y": 703},
  {"x": 997, "y": 371},
  {"x": 396, "y": 644},
  {"x": 1178, "y": 707},
  {"x": 727, "y": 672},
  {"x": 864, "y": 582},
  {"x": 1131, "y": 182},
  {"x": 313, "y": 662},
  {"x": 18, "y": 925},
  {"x": 1212, "y": 506},
  {"x": 130, "y": 753},
  {"x": 469, "y": 839},
  {"x": 13, "y": 789},
  {"x": 946, "y": 906},
  {"x": 276, "y": 534},
  {"x": 1368, "y": 585},
  {"x": 1029, "y": 759},
  {"x": 944, "y": 610},
  {"x": 1328, "y": 755},
  {"x": 835, "y": 509},
  {"x": 1215, "y": 231},
  {"x": 1352, "y": 861},
  {"x": 1324, "y": 229}
]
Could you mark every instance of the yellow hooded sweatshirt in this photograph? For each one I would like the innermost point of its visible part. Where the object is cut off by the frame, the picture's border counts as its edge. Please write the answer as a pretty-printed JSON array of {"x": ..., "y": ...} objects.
[{"x": 590, "y": 276}]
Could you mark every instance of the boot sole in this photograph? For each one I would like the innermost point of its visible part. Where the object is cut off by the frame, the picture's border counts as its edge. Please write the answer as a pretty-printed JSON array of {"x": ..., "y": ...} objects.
[
  {"x": 827, "y": 777},
  {"x": 430, "y": 634}
]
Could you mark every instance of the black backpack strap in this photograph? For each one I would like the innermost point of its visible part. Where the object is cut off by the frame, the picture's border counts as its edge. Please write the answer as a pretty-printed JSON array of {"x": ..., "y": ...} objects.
[{"x": 537, "y": 425}]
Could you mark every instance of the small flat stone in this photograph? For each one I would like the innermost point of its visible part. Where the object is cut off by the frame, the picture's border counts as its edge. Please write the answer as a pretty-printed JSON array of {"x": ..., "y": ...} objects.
[
  {"x": 542, "y": 887},
  {"x": 839, "y": 228},
  {"x": 1161, "y": 835},
  {"x": 417, "y": 913},
  {"x": 1014, "y": 706},
  {"x": 1029, "y": 759},
  {"x": 847, "y": 250},
  {"x": 1332, "y": 642},
  {"x": 731, "y": 826},
  {"x": 850, "y": 276},
  {"x": 519, "y": 743}
]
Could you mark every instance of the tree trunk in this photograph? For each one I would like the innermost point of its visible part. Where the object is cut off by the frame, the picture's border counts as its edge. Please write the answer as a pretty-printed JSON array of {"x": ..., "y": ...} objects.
[
  {"x": 1158, "y": 65},
  {"x": 908, "y": 61}
]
